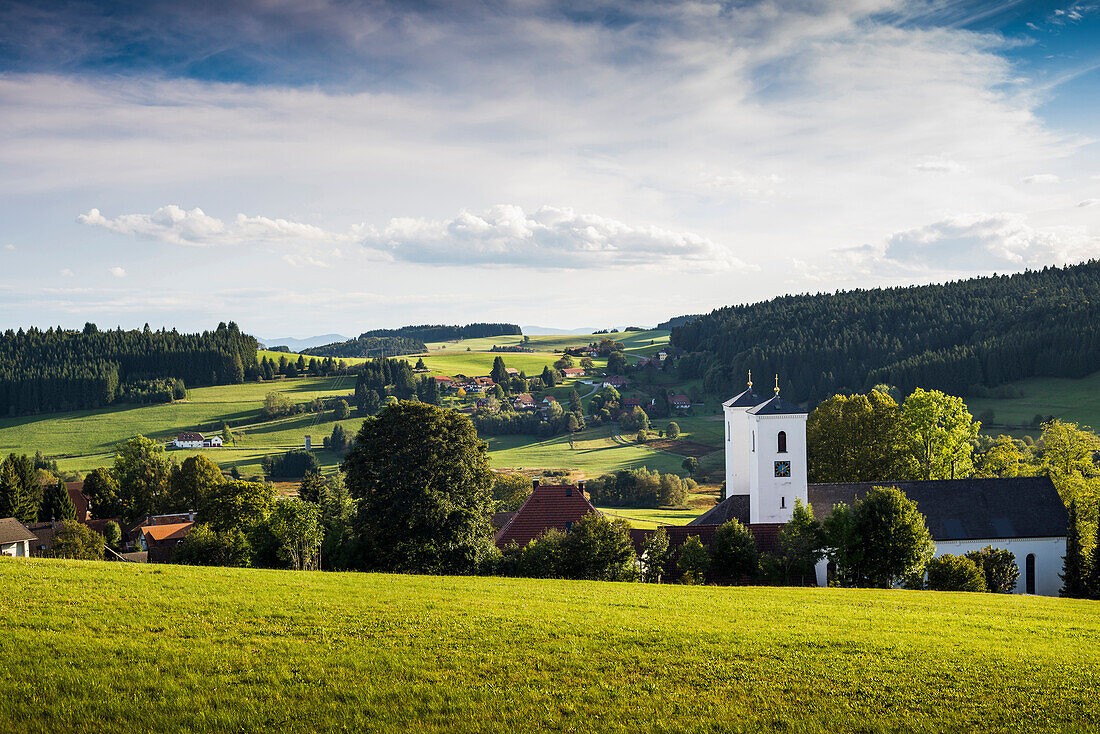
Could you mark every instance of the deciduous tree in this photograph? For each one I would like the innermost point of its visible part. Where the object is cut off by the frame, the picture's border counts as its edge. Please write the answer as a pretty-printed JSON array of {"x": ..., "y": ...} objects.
[
  {"x": 940, "y": 432},
  {"x": 733, "y": 553},
  {"x": 422, "y": 479}
]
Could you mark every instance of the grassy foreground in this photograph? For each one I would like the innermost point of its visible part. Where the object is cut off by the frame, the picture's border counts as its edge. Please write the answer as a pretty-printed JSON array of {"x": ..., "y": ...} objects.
[{"x": 95, "y": 647}]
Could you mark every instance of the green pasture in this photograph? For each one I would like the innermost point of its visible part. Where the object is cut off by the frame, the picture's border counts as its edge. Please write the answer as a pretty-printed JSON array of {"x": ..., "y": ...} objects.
[
  {"x": 99, "y": 647},
  {"x": 594, "y": 453},
  {"x": 651, "y": 518},
  {"x": 633, "y": 341},
  {"x": 1068, "y": 399}
]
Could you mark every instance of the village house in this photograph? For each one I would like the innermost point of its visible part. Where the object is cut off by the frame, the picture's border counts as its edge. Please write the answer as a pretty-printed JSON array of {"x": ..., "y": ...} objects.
[
  {"x": 15, "y": 538},
  {"x": 511, "y": 371},
  {"x": 484, "y": 382},
  {"x": 574, "y": 372},
  {"x": 196, "y": 441},
  {"x": 679, "y": 402},
  {"x": 523, "y": 401},
  {"x": 549, "y": 506},
  {"x": 614, "y": 381}
]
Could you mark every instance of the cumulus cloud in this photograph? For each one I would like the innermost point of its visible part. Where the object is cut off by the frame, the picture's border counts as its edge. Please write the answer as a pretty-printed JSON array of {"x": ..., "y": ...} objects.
[
  {"x": 1041, "y": 178},
  {"x": 66, "y": 273},
  {"x": 178, "y": 226},
  {"x": 118, "y": 272},
  {"x": 972, "y": 243},
  {"x": 548, "y": 237},
  {"x": 506, "y": 235}
]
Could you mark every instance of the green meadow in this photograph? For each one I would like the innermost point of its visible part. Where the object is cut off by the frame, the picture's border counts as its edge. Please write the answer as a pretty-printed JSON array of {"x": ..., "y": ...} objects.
[
  {"x": 98, "y": 647},
  {"x": 1064, "y": 398},
  {"x": 594, "y": 452}
]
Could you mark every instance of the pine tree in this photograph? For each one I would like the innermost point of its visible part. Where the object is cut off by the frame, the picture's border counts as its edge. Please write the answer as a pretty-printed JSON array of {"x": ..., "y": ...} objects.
[
  {"x": 56, "y": 504},
  {"x": 1072, "y": 577}
]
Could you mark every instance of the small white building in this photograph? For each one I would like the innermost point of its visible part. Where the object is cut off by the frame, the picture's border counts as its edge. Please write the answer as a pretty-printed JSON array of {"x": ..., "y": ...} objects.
[
  {"x": 15, "y": 539},
  {"x": 196, "y": 441}
]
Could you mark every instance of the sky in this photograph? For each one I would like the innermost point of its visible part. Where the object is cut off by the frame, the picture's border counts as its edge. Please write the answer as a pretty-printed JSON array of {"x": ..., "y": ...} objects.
[{"x": 313, "y": 166}]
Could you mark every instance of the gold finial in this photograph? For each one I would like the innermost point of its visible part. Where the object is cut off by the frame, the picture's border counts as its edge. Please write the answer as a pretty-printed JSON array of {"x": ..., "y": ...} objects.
[
  {"x": 777, "y": 384},
  {"x": 750, "y": 379}
]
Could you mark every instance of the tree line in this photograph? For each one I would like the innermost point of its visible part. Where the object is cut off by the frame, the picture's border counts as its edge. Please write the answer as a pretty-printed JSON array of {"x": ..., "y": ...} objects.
[
  {"x": 955, "y": 337},
  {"x": 59, "y": 369}
]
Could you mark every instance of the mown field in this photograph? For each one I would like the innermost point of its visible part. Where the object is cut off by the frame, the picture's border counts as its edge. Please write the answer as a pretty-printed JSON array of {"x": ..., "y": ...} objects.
[
  {"x": 96, "y": 647},
  {"x": 1074, "y": 400}
]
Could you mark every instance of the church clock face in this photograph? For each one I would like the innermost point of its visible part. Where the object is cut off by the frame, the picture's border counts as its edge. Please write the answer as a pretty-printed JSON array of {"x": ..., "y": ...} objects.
[{"x": 782, "y": 468}]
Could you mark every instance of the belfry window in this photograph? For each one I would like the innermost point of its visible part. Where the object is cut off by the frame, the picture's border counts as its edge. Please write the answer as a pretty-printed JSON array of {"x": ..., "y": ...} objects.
[{"x": 782, "y": 441}]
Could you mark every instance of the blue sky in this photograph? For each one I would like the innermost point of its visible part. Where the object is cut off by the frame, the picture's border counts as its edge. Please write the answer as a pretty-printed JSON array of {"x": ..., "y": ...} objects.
[{"x": 312, "y": 166}]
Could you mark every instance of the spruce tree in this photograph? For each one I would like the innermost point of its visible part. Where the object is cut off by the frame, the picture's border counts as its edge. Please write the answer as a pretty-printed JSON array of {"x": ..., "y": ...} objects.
[
  {"x": 56, "y": 504},
  {"x": 1072, "y": 576}
]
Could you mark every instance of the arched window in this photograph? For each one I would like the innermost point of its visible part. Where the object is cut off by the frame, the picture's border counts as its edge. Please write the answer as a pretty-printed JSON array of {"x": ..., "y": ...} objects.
[
  {"x": 754, "y": 441},
  {"x": 782, "y": 442},
  {"x": 1029, "y": 573}
]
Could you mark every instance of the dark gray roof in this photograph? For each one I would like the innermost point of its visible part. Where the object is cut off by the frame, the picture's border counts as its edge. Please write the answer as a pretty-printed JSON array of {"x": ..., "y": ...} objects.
[
  {"x": 776, "y": 406},
  {"x": 13, "y": 531},
  {"x": 734, "y": 507},
  {"x": 746, "y": 399},
  {"x": 964, "y": 509}
]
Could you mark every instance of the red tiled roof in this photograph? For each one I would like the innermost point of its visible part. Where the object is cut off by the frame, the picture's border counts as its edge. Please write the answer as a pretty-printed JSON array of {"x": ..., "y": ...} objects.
[
  {"x": 549, "y": 506},
  {"x": 189, "y": 437},
  {"x": 80, "y": 502},
  {"x": 163, "y": 533},
  {"x": 525, "y": 398},
  {"x": 484, "y": 381},
  {"x": 443, "y": 379},
  {"x": 573, "y": 371}
]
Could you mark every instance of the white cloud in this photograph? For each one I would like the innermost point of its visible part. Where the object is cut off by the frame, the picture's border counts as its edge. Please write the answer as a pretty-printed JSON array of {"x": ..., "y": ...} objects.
[
  {"x": 9, "y": 247},
  {"x": 1041, "y": 178},
  {"x": 66, "y": 273},
  {"x": 971, "y": 243},
  {"x": 118, "y": 272},
  {"x": 1088, "y": 202},
  {"x": 550, "y": 237},
  {"x": 178, "y": 226},
  {"x": 940, "y": 165}
]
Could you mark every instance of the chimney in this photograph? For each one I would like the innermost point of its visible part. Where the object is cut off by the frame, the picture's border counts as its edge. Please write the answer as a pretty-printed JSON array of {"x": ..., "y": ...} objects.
[
  {"x": 535, "y": 484},
  {"x": 569, "y": 490}
]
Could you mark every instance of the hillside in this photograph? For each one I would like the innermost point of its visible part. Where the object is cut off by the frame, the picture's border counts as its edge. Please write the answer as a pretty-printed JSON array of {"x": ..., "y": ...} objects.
[
  {"x": 119, "y": 647},
  {"x": 956, "y": 336},
  {"x": 408, "y": 339}
]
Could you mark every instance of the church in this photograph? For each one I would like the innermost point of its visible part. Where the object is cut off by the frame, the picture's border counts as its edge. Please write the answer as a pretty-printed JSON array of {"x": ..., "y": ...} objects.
[{"x": 766, "y": 472}]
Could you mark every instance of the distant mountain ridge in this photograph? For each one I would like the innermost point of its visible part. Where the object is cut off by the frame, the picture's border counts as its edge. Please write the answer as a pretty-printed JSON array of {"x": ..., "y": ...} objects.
[{"x": 297, "y": 345}]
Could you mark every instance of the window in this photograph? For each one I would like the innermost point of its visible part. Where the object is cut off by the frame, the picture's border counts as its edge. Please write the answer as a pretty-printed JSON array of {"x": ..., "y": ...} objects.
[
  {"x": 782, "y": 468},
  {"x": 1029, "y": 573},
  {"x": 727, "y": 430},
  {"x": 568, "y": 526},
  {"x": 754, "y": 441},
  {"x": 782, "y": 441},
  {"x": 782, "y": 503},
  {"x": 568, "y": 491}
]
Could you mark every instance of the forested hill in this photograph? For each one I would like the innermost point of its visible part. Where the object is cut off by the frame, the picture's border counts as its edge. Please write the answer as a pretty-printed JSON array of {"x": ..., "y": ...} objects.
[
  {"x": 953, "y": 337},
  {"x": 369, "y": 346},
  {"x": 442, "y": 333},
  {"x": 63, "y": 370},
  {"x": 408, "y": 339}
]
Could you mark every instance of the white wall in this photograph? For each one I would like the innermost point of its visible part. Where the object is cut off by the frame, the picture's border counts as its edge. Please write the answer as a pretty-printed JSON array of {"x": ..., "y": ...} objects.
[
  {"x": 1048, "y": 559},
  {"x": 772, "y": 497},
  {"x": 21, "y": 549},
  {"x": 737, "y": 450}
]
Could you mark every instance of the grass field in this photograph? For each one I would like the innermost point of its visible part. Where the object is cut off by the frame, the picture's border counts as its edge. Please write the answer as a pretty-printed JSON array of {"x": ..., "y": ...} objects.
[
  {"x": 1074, "y": 400},
  {"x": 96, "y": 647},
  {"x": 594, "y": 453}
]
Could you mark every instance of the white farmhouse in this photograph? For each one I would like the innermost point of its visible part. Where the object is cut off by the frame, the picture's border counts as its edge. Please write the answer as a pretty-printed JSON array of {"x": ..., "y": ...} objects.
[
  {"x": 15, "y": 539},
  {"x": 766, "y": 472},
  {"x": 196, "y": 441}
]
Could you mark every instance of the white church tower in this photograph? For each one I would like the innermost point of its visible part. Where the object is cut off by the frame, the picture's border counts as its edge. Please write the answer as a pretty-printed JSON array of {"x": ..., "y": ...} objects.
[{"x": 765, "y": 454}]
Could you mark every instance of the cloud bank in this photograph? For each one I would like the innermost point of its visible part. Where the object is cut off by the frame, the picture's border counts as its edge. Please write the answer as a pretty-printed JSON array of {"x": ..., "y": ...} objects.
[{"x": 504, "y": 235}]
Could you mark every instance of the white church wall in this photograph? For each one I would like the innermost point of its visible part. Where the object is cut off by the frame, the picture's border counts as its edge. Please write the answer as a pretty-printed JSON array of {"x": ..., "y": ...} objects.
[
  {"x": 1048, "y": 554},
  {"x": 773, "y": 498},
  {"x": 738, "y": 442}
]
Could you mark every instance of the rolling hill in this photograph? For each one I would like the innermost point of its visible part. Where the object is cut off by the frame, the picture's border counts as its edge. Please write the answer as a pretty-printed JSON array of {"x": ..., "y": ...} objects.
[{"x": 99, "y": 647}]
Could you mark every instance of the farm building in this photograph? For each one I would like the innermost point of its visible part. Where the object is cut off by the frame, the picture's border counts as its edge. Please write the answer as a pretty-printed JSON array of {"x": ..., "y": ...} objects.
[
  {"x": 679, "y": 402},
  {"x": 524, "y": 401},
  {"x": 196, "y": 441},
  {"x": 614, "y": 381},
  {"x": 549, "y": 506},
  {"x": 574, "y": 372},
  {"x": 15, "y": 539}
]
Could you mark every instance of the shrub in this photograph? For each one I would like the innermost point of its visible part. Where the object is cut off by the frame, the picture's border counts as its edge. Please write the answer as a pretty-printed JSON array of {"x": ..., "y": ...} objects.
[
  {"x": 693, "y": 561},
  {"x": 598, "y": 549},
  {"x": 205, "y": 547},
  {"x": 733, "y": 553},
  {"x": 955, "y": 573},
  {"x": 673, "y": 430},
  {"x": 293, "y": 464},
  {"x": 77, "y": 541},
  {"x": 999, "y": 568}
]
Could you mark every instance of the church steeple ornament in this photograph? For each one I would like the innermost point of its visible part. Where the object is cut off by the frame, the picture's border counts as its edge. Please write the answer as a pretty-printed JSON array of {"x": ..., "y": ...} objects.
[
  {"x": 777, "y": 384},
  {"x": 750, "y": 379}
]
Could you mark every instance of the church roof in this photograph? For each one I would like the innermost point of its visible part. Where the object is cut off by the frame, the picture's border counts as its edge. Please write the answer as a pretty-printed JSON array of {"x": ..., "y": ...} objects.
[
  {"x": 777, "y": 406},
  {"x": 734, "y": 507},
  {"x": 549, "y": 506},
  {"x": 746, "y": 399},
  {"x": 965, "y": 509}
]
